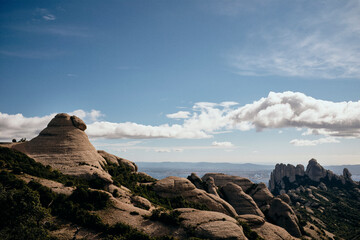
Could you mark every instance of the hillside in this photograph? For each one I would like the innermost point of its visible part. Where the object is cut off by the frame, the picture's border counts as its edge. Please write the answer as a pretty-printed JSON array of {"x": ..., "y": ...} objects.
[{"x": 49, "y": 189}]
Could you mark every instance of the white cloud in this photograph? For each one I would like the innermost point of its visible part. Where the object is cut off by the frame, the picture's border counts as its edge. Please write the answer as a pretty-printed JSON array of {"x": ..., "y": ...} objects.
[
  {"x": 222, "y": 144},
  {"x": 276, "y": 111},
  {"x": 92, "y": 116},
  {"x": 18, "y": 126},
  {"x": 162, "y": 150},
  {"x": 49, "y": 17},
  {"x": 179, "y": 115},
  {"x": 303, "y": 142},
  {"x": 324, "y": 43},
  {"x": 296, "y": 110},
  {"x": 45, "y": 14}
]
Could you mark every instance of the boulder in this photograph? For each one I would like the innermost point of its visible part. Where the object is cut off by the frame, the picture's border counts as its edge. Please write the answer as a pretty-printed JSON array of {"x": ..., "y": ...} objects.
[
  {"x": 78, "y": 123},
  {"x": 282, "y": 215},
  {"x": 285, "y": 198},
  {"x": 196, "y": 180},
  {"x": 315, "y": 171},
  {"x": 211, "y": 188},
  {"x": 117, "y": 160},
  {"x": 242, "y": 203},
  {"x": 210, "y": 225},
  {"x": 172, "y": 187},
  {"x": 265, "y": 229},
  {"x": 347, "y": 176},
  {"x": 322, "y": 186},
  {"x": 141, "y": 202},
  {"x": 273, "y": 232},
  {"x": 64, "y": 146},
  {"x": 251, "y": 220},
  {"x": 221, "y": 180},
  {"x": 261, "y": 194}
]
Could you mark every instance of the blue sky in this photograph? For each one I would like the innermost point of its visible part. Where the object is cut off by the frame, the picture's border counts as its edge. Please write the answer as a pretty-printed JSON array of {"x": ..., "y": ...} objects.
[{"x": 245, "y": 81}]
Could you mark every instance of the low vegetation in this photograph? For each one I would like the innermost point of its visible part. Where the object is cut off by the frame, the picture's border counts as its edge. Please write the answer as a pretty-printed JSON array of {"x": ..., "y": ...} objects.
[
  {"x": 250, "y": 234},
  {"x": 18, "y": 163},
  {"x": 166, "y": 216},
  {"x": 341, "y": 214},
  {"x": 25, "y": 207},
  {"x": 122, "y": 175}
]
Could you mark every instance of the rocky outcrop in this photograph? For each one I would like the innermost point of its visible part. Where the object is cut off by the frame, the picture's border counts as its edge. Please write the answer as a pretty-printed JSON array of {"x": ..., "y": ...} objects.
[
  {"x": 172, "y": 187},
  {"x": 210, "y": 225},
  {"x": 141, "y": 202},
  {"x": 285, "y": 198},
  {"x": 282, "y": 215},
  {"x": 282, "y": 170},
  {"x": 211, "y": 188},
  {"x": 64, "y": 146},
  {"x": 265, "y": 229},
  {"x": 285, "y": 177},
  {"x": 315, "y": 171},
  {"x": 117, "y": 160},
  {"x": 221, "y": 180},
  {"x": 196, "y": 180},
  {"x": 261, "y": 195},
  {"x": 242, "y": 203}
]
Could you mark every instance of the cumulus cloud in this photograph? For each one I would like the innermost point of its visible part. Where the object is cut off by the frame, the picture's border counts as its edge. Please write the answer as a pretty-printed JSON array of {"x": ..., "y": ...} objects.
[
  {"x": 178, "y": 115},
  {"x": 276, "y": 111},
  {"x": 296, "y": 110},
  {"x": 222, "y": 144},
  {"x": 303, "y": 142},
  {"x": 18, "y": 126},
  {"x": 92, "y": 116}
]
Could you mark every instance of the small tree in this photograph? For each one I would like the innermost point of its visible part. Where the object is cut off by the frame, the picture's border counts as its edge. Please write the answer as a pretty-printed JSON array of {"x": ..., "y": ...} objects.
[{"x": 14, "y": 140}]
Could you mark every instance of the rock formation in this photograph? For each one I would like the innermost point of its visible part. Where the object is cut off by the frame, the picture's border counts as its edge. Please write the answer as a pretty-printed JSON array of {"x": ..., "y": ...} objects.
[
  {"x": 211, "y": 188},
  {"x": 211, "y": 225},
  {"x": 261, "y": 195},
  {"x": 242, "y": 203},
  {"x": 172, "y": 187},
  {"x": 286, "y": 177},
  {"x": 265, "y": 229},
  {"x": 64, "y": 146},
  {"x": 221, "y": 180},
  {"x": 315, "y": 171},
  {"x": 282, "y": 215},
  {"x": 196, "y": 180},
  {"x": 282, "y": 170},
  {"x": 117, "y": 160}
]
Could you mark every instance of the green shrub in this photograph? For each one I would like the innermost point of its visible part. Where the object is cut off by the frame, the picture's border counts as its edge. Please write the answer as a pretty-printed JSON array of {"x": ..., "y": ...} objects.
[
  {"x": 21, "y": 211},
  {"x": 167, "y": 217},
  {"x": 251, "y": 235}
]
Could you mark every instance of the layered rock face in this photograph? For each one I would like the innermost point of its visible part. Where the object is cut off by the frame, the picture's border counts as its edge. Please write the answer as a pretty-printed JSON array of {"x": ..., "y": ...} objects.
[
  {"x": 242, "y": 202},
  {"x": 221, "y": 180},
  {"x": 283, "y": 215},
  {"x": 172, "y": 187},
  {"x": 285, "y": 177},
  {"x": 117, "y": 160},
  {"x": 211, "y": 225},
  {"x": 282, "y": 170},
  {"x": 64, "y": 146}
]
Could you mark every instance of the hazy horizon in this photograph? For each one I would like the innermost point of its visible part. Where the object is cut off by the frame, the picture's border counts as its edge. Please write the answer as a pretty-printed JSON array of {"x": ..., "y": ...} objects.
[{"x": 262, "y": 82}]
